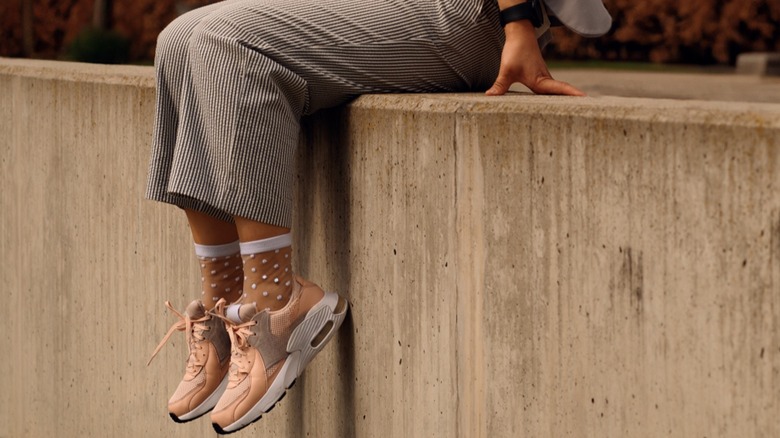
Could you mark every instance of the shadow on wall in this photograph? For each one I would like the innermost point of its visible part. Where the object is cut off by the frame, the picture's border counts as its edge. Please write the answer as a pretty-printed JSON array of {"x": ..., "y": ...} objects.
[{"x": 330, "y": 165}]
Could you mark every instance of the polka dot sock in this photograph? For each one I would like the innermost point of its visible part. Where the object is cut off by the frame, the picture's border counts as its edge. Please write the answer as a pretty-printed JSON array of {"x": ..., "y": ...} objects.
[
  {"x": 221, "y": 272},
  {"x": 267, "y": 272}
]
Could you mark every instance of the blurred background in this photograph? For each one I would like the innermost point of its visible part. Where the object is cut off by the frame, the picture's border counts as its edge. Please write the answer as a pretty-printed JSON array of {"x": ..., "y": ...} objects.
[{"x": 696, "y": 32}]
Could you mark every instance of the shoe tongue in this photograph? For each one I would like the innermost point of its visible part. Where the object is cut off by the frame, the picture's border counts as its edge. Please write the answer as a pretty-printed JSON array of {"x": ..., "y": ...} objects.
[
  {"x": 239, "y": 313},
  {"x": 247, "y": 311},
  {"x": 195, "y": 310}
]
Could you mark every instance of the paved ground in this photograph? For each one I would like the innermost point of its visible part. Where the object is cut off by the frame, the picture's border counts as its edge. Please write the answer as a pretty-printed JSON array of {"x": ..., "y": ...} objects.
[{"x": 716, "y": 87}]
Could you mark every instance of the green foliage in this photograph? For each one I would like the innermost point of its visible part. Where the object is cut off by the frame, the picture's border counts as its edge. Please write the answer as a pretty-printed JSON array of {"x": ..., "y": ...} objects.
[{"x": 99, "y": 46}]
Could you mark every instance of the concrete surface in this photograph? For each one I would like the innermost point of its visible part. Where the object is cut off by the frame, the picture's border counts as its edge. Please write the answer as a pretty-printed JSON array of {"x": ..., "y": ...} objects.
[
  {"x": 679, "y": 86},
  {"x": 518, "y": 266},
  {"x": 759, "y": 63}
]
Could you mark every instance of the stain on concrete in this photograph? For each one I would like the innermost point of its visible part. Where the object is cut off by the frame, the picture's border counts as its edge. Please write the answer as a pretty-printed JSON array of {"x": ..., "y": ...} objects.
[
  {"x": 629, "y": 281},
  {"x": 774, "y": 248}
]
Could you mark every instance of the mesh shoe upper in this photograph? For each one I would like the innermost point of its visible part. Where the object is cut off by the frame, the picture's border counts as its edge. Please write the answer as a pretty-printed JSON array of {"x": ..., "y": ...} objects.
[{"x": 259, "y": 349}]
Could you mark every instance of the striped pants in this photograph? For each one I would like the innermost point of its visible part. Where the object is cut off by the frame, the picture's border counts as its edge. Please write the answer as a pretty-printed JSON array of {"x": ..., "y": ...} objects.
[{"x": 235, "y": 77}]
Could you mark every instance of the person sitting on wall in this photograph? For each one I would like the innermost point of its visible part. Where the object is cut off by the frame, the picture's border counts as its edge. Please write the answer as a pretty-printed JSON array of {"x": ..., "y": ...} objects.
[{"x": 233, "y": 80}]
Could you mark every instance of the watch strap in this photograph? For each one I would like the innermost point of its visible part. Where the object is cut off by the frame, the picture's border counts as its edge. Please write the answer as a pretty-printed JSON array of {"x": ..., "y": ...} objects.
[{"x": 530, "y": 10}]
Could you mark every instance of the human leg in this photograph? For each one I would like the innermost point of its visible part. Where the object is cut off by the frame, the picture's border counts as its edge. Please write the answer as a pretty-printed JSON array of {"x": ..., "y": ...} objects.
[
  {"x": 218, "y": 252},
  {"x": 255, "y": 68},
  {"x": 214, "y": 234},
  {"x": 235, "y": 77},
  {"x": 264, "y": 363},
  {"x": 209, "y": 230},
  {"x": 266, "y": 251},
  {"x": 205, "y": 376},
  {"x": 172, "y": 66}
]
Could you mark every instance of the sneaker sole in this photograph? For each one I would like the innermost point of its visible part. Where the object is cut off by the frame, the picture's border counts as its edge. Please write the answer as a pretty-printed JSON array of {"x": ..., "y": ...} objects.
[
  {"x": 308, "y": 339},
  {"x": 206, "y": 406}
]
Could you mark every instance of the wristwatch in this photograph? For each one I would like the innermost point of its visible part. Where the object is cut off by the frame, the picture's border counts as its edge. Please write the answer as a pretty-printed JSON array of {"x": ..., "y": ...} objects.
[{"x": 530, "y": 10}]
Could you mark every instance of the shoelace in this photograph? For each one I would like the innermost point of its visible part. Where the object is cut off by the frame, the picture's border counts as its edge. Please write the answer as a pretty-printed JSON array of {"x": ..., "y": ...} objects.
[
  {"x": 193, "y": 330},
  {"x": 239, "y": 334}
]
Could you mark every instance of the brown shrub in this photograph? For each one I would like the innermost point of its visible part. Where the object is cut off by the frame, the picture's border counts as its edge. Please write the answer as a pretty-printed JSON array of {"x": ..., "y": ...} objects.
[
  {"x": 57, "y": 22},
  {"x": 54, "y": 24},
  {"x": 693, "y": 31},
  {"x": 11, "y": 28},
  {"x": 149, "y": 17}
]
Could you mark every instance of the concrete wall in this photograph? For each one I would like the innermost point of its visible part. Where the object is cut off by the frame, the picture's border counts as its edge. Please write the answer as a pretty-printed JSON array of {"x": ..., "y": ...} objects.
[{"x": 522, "y": 266}]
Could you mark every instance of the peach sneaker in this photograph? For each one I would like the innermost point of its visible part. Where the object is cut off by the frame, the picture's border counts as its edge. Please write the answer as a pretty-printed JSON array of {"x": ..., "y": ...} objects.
[
  {"x": 208, "y": 362},
  {"x": 270, "y": 349}
]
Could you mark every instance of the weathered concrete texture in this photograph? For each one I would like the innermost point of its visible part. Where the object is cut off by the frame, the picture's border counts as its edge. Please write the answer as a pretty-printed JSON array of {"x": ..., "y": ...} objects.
[{"x": 523, "y": 266}]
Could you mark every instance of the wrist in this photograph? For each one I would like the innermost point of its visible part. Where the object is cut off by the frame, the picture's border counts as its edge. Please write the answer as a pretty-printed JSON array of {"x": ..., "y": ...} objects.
[
  {"x": 520, "y": 29},
  {"x": 505, "y": 4}
]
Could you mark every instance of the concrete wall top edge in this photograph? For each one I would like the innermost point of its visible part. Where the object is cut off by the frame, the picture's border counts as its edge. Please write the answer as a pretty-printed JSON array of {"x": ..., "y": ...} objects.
[
  {"x": 132, "y": 75},
  {"x": 689, "y": 112},
  {"x": 749, "y": 114}
]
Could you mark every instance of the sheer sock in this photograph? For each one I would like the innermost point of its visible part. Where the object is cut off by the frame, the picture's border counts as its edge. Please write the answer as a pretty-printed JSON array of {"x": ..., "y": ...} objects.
[
  {"x": 267, "y": 272},
  {"x": 221, "y": 272}
]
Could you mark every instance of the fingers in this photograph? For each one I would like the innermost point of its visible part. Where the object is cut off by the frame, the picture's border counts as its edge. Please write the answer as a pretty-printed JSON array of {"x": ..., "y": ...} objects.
[
  {"x": 545, "y": 85},
  {"x": 551, "y": 86},
  {"x": 500, "y": 87}
]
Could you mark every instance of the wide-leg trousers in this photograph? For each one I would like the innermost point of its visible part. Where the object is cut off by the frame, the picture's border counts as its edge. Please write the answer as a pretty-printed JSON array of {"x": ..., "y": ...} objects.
[{"x": 235, "y": 77}]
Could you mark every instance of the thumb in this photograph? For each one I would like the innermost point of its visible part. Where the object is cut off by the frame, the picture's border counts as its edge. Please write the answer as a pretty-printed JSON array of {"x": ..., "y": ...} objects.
[{"x": 500, "y": 87}]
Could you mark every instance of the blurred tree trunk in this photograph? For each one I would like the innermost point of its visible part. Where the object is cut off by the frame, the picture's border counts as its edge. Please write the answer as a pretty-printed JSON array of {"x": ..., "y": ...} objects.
[
  {"x": 102, "y": 14},
  {"x": 28, "y": 40}
]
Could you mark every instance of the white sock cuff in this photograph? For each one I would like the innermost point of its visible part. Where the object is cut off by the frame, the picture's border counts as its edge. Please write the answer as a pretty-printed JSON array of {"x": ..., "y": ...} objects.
[
  {"x": 217, "y": 250},
  {"x": 265, "y": 245}
]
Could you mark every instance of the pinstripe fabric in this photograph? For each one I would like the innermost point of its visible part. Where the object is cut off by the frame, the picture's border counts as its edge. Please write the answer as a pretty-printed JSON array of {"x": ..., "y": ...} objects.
[{"x": 234, "y": 78}]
